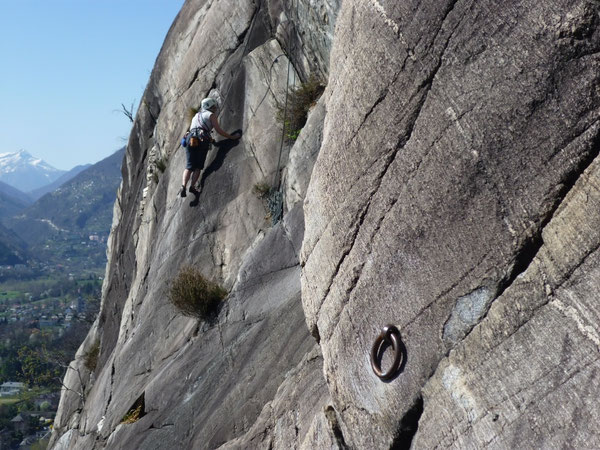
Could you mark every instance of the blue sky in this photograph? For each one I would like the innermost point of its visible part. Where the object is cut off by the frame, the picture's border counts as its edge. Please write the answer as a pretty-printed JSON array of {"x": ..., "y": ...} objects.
[{"x": 67, "y": 65}]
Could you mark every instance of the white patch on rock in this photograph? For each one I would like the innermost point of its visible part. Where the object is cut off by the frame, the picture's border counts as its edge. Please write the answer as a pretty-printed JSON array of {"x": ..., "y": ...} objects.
[
  {"x": 454, "y": 383},
  {"x": 393, "y": 25},
  {"x": 570, "y": 312},
  {"x": 100, "y": 424},
  {"x": 467, "y": 312},
  {"x": 65, "y": 440}
]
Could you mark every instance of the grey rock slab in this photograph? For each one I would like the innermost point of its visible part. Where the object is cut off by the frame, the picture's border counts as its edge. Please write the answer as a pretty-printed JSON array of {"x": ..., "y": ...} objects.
[
  {"x": 303, "y": 155},
  {"x": 270, "y": 270},
  {"x": 205, "y": 384},
  {"x": 528, "y": 372},
  {"x": 200, "y": 395},
  {"x": 184, "y": 70},
  {"x": 156, "y": 232},
  {"x": 288, "y": 418},
  {"x": 77, "y": 384},
  {"x": 437, "y": 178},
  {"x": 306, "y": 28},
  {"x": 266, "y": 79}
]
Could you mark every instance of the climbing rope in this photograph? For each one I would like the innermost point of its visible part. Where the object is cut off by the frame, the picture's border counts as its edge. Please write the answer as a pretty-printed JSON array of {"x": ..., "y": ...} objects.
[
  {"x": 275, "y": 200},
  {"x": 277, "y": 194}
]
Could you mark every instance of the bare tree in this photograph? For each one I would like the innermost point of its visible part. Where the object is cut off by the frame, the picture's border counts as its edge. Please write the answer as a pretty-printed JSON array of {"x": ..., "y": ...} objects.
[
  {"x": 66, "y": 367},
  {"x": 127, "y": 112}
]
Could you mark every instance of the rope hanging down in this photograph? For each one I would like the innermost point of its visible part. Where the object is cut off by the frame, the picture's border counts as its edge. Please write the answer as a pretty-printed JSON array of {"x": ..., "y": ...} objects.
[{"x": 275, "y": 200}]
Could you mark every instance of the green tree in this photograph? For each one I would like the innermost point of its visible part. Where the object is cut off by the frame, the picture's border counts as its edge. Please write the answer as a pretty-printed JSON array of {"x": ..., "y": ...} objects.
[
  {"x": 7, "y": 412},
  {"x": 36, "y": 367},
  {"x": 33, "y": 424},
  {"x": 10, "y": 369}
]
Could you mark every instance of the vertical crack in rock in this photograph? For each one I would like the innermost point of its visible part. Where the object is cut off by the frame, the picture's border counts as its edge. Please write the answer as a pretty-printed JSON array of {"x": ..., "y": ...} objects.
[
  {"x": 531, "y": 246},
  {"x": 241, "y": 40},
  {"x": 481, "y": 299},
  {"x": 408, "y": 426},
  {"x": 251, "y": 148},
  {"x": 335, "y": 427},
  {"x": 424, "y": 88},
  {"x": 112, "y": 380}
]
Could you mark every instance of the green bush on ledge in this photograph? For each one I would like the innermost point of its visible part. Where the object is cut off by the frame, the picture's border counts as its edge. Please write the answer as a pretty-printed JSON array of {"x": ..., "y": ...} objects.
[
  {"x": 300, "y": 100},
  {"x": 91, "y": 357},
  {"x": 195, "y": 296}
]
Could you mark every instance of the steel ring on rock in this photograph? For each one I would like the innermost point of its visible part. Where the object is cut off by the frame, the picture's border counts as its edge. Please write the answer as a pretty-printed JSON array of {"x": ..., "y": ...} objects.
[{"x": 391, "y": 336}]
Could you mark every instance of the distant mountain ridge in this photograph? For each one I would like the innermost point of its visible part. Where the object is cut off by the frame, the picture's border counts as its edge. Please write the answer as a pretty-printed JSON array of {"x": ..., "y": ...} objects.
[
  {"x": 12, "y": 248},
  {"x": 67, "y": 176},
  {"x": 59, "y": 224},
  {"x": 26, "y": 172},
  {"x": 12, "y": 201}
]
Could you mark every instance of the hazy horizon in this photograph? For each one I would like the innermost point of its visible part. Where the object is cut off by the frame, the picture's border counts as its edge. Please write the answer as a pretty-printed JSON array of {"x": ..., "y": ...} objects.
[{"x": 68, "y": 66}]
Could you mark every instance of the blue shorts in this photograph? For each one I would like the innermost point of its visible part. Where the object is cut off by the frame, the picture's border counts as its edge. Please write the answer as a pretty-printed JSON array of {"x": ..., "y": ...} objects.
[{"x": 196, "y": 156}]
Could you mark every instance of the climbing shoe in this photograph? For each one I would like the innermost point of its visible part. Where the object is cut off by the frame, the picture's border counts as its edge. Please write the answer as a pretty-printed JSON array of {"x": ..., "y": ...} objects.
[{"x": 182, "y": 192}]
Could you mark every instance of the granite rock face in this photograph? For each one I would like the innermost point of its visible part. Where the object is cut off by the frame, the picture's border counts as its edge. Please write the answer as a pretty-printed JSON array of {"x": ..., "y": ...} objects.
[
  {"x": 201, "y": 385},
  {"x": 528, "y": 373},
  {"x": 446, "y": 182},
  {"x": 430, "y": 199}
]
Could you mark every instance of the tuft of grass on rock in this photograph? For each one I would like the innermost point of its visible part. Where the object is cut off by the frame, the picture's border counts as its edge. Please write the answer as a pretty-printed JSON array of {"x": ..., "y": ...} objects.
[
  {"x": 136, "y": 412},
  {"x": 195, "y": 296},
  {"x": 300, "y": 100},
  {"x": 132, "y": 416},
  {"x": 161, "y": 164},
  {"x": 91, "y": 357},
  {"x": 261, "y": 190}
]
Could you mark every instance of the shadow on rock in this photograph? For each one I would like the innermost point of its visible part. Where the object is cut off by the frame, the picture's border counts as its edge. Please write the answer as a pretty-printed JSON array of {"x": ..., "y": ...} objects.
[
  {"x": 223, "y": 147},
  {"x": 196, "y": 200}
]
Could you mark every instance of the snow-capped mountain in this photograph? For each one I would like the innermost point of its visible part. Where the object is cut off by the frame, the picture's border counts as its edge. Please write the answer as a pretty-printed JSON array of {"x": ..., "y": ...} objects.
[{"x": 26, "y": 172}]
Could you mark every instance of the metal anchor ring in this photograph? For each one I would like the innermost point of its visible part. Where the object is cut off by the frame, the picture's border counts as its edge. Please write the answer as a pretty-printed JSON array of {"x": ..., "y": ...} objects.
[{"x": 391, "y": 336}]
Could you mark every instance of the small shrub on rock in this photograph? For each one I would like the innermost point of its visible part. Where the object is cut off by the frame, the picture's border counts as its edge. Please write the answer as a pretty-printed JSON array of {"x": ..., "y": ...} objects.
[
  {"x": 132, "y": 416},
  {"x": 136, "y": 412},
  {"x": 161, "y": 163},
  {"x": 300, "y": 100},
  {"x": 195, "y": 296},
  {"x": 91, "y": 357},
  {"x": 261, "y": 190}
]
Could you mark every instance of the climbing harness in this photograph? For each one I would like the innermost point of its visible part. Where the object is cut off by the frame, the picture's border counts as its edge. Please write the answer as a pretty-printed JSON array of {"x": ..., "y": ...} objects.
[{"x": 391, "y": 336}]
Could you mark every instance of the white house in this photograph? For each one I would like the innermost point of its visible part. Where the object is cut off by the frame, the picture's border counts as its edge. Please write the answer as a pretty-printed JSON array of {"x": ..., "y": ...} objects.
[{"x": 11, "y": 388}]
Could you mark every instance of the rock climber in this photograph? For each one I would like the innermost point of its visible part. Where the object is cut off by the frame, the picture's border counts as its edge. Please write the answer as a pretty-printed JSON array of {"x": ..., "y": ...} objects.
[{"x": 202, "y": 124}]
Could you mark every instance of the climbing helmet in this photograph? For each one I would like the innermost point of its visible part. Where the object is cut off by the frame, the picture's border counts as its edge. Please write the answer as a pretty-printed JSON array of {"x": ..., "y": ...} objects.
[{"x": 209, "y": 103}]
